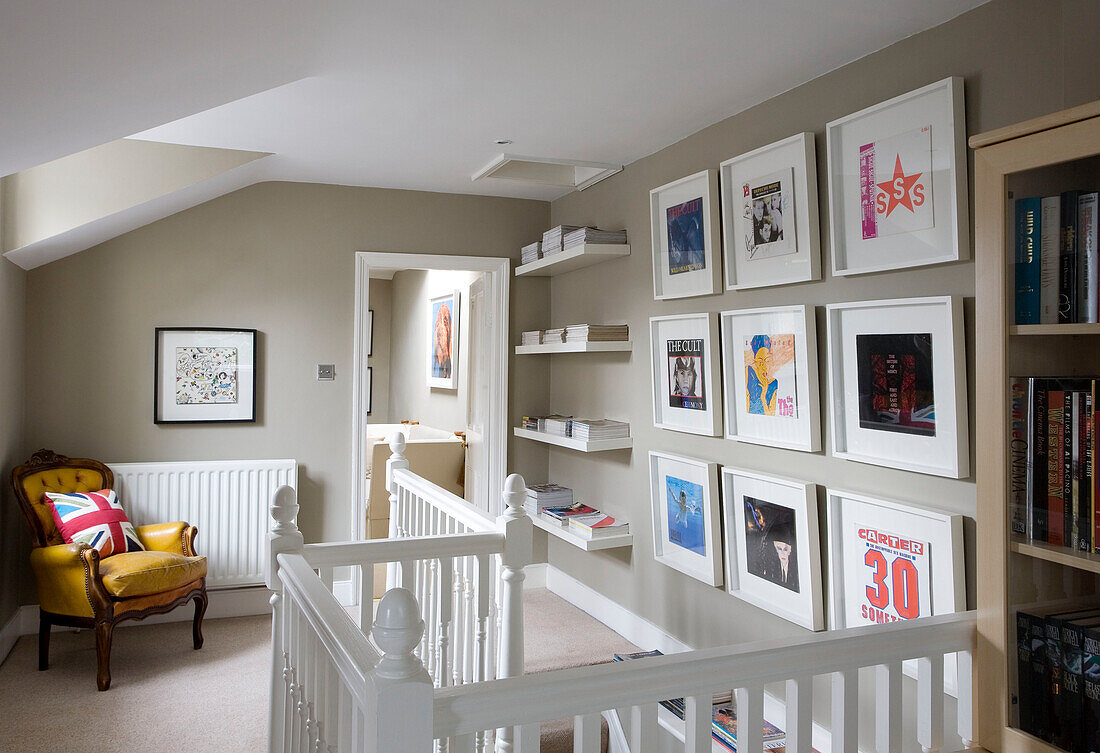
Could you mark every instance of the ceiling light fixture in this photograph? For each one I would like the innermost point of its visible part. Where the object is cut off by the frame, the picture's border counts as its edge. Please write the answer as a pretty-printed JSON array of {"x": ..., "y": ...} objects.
[{"x": 502, "y": 142}]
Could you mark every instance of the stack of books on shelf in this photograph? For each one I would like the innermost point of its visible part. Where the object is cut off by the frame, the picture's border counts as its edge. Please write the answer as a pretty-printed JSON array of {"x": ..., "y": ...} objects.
[
  {"x": 530, "y": 337},
  {"x": 562, "y": 514},
  {"x": 596, "y": 525},
  {"x": 1058, "y": 660},
  {"x": 555, "y": 335},
  {"x": 540, "y": 496},
  {"x": 724, "y": 716},
  {"x": 538, "y": 423},
  {"x": 531, "y": 252},
  {"x": 587, "y": 429},
  {"x": 552, "y": 239},
  {"x": 1054, "y": 486},
  {"x": 1056, "y": 264},
  {"x": 583, "y": 235},
  {"x": 584, "y": 333}
]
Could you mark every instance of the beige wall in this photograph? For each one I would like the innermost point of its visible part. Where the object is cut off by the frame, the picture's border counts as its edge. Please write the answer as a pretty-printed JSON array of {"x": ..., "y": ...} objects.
[
  {"x": 279, "y": 257},
  {"x": 1021, "y": 58},
  {"x": 381, "y": 304},
  {"x": 14, "y": 534}
]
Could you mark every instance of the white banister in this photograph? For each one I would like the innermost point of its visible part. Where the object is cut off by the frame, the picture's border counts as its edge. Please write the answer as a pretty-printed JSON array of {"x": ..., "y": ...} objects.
[
  {"x": 396, "y": 461},
  {"x": 402, "y": 697},
  {"x": 845, "y": 710},
  {"x": 930, "y": 702},
  {"x": 888, "y": 707},
  {"x": 643, "y": 728},
  {"x": 284, "y": 537},
  {"x": 800, "y": 706},
  {"x": 518, "y": 551}
]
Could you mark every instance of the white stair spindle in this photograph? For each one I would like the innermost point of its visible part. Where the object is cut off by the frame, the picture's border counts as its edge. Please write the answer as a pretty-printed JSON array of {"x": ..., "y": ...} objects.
[
  {"x": 643, "y": 728},
  {"x": 326, "y": 576},
  {"x": 284, "y": 537},
  {"x": 469, "y": 653},
  {"x": 457, "y": 660},
  {"x": 517, "y": 554},
  {"x": 343, "y": 740},
  {"x": 446, "y": 601},
  {"x": 586, "y": 733},
  {"x": 965, "y": 686},
  {"x": 750, "y": 718},
  {"x": 484, "y": 592},
  {"x": 800, "y": 706},
  {"x": 366, "y": 596},
  {"x": 845, "y": 711},
  {"x": 462, "y": 744},
  {"x": 930, "y": 703},
  {"x": 396, "y": 461},
  {"x": 698, "y": 717},
  {"x": 888, "y": 707}
]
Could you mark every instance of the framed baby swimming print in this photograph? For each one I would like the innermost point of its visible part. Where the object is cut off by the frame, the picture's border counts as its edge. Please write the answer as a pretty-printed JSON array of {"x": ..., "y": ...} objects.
[
  {"x": 770, "y": 230},
  {"x": 773, "y": 551},
  {"x": 684, "y": 367},
  {"x": 204, "y": 375},
  {"x": 686, "y": 234},
  {"x": 443, "y": 341},
  {"x": 769, "y": 373},
  {"x": 897, "y": 384},
  {"x": 686, "y": 532},
  {"x": 897, "y": 182}
]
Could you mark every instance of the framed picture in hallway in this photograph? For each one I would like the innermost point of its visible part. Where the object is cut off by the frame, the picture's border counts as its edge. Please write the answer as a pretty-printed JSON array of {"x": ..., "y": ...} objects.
[
  {"x": 204, "y": 375},
  {"x": 443, "y": 315},
  {"x": 686, "y": 391},
  {"x": 686, "y": 235},
  {"x": 773, "y": 549},
  {"x": 686, "y": 533}
]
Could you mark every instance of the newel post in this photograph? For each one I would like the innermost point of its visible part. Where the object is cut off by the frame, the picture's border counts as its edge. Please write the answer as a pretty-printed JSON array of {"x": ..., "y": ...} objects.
[
  {"x": 518, "y": 553},
  {"x": 284, "y": 537},
  {"x": 396, "y": 460},
  {"x": 401, "y": 718}
]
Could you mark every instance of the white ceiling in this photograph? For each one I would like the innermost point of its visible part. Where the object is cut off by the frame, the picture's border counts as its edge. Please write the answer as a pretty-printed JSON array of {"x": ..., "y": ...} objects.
[{"x": 412, "y": 94}]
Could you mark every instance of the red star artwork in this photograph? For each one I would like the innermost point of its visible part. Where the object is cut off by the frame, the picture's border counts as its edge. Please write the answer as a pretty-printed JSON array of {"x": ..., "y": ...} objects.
[{"x": 893, "y": 187}]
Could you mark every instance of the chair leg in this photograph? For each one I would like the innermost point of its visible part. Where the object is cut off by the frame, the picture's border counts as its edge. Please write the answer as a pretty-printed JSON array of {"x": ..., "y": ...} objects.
[
  {"x": 200, "y": 611},
  {"x": 43, "y": 641},
  {"x": 103, "y": 633}
]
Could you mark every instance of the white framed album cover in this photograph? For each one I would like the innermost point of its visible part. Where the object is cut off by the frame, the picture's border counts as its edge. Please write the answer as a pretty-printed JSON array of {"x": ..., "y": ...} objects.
[
  {"x": 686, "y": 235},
  {"x": 687, "y": 535},
  {"x": 684, "y": 369}
]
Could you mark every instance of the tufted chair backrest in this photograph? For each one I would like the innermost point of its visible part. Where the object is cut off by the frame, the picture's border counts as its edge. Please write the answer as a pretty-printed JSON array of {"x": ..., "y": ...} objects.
[{"x": 47, "y": 471}]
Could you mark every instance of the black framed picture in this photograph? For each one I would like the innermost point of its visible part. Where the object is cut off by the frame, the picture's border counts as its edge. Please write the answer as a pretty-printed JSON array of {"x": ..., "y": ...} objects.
[
  {"x": 204, "y": 375},
  {"x": 370, "y": 388}
]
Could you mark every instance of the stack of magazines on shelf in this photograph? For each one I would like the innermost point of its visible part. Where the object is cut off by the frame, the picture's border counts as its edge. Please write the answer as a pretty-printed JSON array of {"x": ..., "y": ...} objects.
[
  {"x": 554, "y": 335},
  {"x": 588, "y": 429},
  {"x": 582, "y": 333},
  {"x": 531, "y": 252},
  {"x": 539, "y": 423},
  {"x": 724, "y": 716},
  {"x": 581, "y": 520},
  {"x": 541, "y": 496},
  {"x": 596, "y": 525},
  {"x": 552, "y": 239},
  {"x": 530, "y": 337},
  {"x": 583, "y": 235}
]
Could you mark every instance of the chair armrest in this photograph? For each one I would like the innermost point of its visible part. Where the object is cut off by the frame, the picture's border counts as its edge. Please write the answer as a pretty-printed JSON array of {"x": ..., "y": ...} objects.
[
  {"x": 177, "y": 538},
  {"x": 68, "y": 579}
]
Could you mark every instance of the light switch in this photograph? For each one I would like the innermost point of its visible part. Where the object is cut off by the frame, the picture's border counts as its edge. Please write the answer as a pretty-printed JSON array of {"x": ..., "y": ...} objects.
[{"x": 326, "y": 371}]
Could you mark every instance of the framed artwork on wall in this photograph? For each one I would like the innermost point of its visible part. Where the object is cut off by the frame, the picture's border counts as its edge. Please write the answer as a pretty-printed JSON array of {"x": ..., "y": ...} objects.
[
  {"x": 370, "y": 332},
  {"x": 204, "y": 375},
  {"x": 370, "y": 388},
  {"x": 686, "y": 534},
  {"x": 443, "y": 315},
  {"x": 684, "y": 219},
  {"x": 773, "y": 551},
  {"x": 769, "y": 215},
  {"x": 897, "y": 381},
  {"x": 897, "y": 182},
  {"x": 769, "y": 372},
  {"x": 685, "y": 373}
]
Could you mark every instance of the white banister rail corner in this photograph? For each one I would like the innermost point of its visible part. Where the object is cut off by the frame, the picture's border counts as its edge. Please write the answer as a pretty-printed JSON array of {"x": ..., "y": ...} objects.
[
  {"x": 517, "y": 528},
  {"x": 403, "y": 693},
  {"x": 284, "y": 537},
  {"x": 395, "y": 461}
]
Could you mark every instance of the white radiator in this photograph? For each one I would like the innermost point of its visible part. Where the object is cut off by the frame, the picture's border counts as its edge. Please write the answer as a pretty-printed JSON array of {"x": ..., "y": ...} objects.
[{"x": 227, "y": 500}]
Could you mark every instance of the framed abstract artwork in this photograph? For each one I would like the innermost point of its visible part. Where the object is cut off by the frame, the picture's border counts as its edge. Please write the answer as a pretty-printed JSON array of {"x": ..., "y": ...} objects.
[
  {"x": 686, "y": 395},
  {"x": 443, "y": 316},
  {"x": 204, "y": 375},
  {"x": 684, "y": 219},
  {"x": 769, "y": 215},
  {"x": 897, "y": 182},
  {"x": 686, "y": 533},
  {"x": 769, "y": 372},
  {"x": 897, "y": 381},
  {"x": 773, "y": 549}
]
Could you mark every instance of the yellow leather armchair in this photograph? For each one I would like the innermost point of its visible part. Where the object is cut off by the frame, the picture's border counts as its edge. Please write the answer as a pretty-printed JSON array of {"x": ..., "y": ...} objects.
[{"x": 79, "y": 589}]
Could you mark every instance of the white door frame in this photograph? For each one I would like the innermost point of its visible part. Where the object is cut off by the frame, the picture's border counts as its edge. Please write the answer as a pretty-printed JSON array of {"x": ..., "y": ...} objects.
[{"x": 496, "y": 343}]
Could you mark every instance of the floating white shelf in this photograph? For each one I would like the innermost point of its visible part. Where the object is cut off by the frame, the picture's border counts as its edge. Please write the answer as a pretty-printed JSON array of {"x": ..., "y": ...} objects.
[
  {"x": 575, "y": 347},
  {"x": 554, "y": 528},
  {"x": 595, "y": 445},
  {"x": 574, "y": 258}
]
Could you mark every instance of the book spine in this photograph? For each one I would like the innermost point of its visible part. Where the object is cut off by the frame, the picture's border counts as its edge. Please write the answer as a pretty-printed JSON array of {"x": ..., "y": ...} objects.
[
  {"x": 1040, "y": 676},
  {"x": 1056, "y": 503},
  {"x": 1087, "y": 254},
  {"x": 1072, "y": 707},
  {"x": 1090, "y": 687},
  {"x": 1024, "y": 691},
  {"x": 1028, "y": 219},
  {"x": 1067, "y": 281},
  {"x": 1039, "y": 466},
  {"x": 1085, "y": 514},
  {"x": 1018, "y": 472},
  {"x": 1054, "y": 681},
  {"x": 1069, "y": 434},
  {"x": 1049, "y": 258}
]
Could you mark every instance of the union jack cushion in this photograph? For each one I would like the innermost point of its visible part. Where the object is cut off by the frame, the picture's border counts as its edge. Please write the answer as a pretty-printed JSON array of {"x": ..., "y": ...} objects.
[{"x": 96, "y": 519}]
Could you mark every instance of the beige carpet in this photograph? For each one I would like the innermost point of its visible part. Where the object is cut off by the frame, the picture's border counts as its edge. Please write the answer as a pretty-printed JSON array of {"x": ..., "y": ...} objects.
[{"x": 166, "y": 696}]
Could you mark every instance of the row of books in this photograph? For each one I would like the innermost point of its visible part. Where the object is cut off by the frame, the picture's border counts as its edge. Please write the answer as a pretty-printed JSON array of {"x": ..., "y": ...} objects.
[
  {"x": 723, "y": 716},
  {"x": 555, "y": 503},
  {"x": 1054, "y": 484},
  {"x": 577, "y": 333},
  {"x": 1056, "y": 262},
  {"x": 1058, "y": 677},
  {"x": 577, "y": 428},
  {"x": 563, "y": 237}
]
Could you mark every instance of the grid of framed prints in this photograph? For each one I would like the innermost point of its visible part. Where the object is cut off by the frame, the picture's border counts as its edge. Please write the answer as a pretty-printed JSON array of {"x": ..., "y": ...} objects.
[
  {"x": 773, "y": 552},
  {"x": 686, "y": 234},
  {"x": 685, "y": 373},
  {"x": 897, "y": 381},
  {"x": 897, "y": 182},
  {"x": 769, "y": 372},
  {"x": 769, "y": 215},
  {"x": 686, "y": 533}
]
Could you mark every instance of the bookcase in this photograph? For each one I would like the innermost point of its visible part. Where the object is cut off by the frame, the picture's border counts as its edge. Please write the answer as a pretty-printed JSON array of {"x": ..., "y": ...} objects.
[{"x": 1035, "y": 158}]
